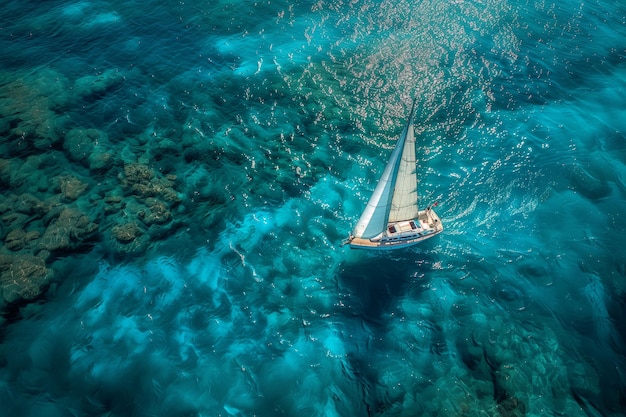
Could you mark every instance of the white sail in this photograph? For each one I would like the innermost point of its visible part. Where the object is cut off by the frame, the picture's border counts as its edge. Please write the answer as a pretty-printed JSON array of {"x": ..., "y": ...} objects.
[
  {"x": 392, "y": 195},
  {"x": 404, "y": 202}
]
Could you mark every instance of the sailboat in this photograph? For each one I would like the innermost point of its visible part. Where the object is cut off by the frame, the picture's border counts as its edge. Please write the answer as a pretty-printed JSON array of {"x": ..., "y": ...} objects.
[{"x": 392, "y": 219}]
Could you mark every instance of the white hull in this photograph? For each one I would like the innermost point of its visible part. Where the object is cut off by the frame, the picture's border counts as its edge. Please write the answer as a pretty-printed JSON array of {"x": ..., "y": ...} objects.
[{"x": 402, "y": 234}]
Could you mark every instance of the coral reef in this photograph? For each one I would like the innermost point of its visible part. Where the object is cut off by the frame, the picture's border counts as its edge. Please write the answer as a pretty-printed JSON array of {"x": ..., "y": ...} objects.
[{"x": 52, "y": 208}]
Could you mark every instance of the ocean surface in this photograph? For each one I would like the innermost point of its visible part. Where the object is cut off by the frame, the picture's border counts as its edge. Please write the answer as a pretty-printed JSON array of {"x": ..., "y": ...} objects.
[{"x": 177, "y": 178}]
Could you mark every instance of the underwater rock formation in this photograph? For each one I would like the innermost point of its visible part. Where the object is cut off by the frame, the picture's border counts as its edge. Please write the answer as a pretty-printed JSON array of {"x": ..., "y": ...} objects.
[
  {"x": 19, "y": 215},
  {"x": 22, "y": 277},
  {"x": 129, "y": 238},
  {"x": 79, "y": 143},
  {"x": 30, "y": 110},
  {"x": 97, "y": 85},
  {"x": 100, "y": 159},
  {"x": 113, "y": 204},
  {"x": 154, "y": 196},
  {"x": 127, "y": 232},
  {"x": 18, "y": 239},
  {"x": 142, "y": 182},
  {"x": 71, "y": 187},
  {"x": 139, "y": 210},
  {"x": 28, "y": 204},
  {"x": 69, "y": 230},
  {"x": 89, "y": 147},
  {"x": 157, "y": 212}
]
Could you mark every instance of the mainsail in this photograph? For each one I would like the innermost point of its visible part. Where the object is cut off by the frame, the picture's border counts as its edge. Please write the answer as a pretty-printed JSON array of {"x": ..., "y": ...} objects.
[{"x": 395, "y": 196}]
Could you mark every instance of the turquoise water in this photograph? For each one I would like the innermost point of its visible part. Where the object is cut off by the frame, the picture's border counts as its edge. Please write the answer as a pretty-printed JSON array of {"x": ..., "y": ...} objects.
[{"x": 177, "y": 178}]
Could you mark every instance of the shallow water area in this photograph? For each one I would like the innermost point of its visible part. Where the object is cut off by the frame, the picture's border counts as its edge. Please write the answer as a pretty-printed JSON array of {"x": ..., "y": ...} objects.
[{"x": 177, "y": 179}]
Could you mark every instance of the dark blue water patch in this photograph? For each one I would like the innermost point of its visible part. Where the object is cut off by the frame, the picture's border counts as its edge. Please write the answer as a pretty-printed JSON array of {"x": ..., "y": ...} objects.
[
  {"x": 555, "y": 61},
  {"x": 616, "y": 309},
  {"x": 106, "y": 35}
]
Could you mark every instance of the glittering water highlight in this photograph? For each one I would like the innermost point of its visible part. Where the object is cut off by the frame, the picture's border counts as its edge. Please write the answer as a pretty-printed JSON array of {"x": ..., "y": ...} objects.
[{"x": 177, "y": 178}]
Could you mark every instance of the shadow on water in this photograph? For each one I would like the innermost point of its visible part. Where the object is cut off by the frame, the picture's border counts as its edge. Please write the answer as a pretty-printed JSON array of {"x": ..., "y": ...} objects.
[
  {"x": 370, "y": 288},
  {"x": 374, "y": 284}
]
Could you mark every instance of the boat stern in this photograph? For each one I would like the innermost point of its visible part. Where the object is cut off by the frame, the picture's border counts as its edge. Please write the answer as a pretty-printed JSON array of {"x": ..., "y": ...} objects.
[{"x": 430, "y": 219}]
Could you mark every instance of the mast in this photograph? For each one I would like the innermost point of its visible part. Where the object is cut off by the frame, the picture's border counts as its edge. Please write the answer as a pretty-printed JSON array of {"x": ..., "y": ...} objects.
[
  {"x": 376, "y": 215},
  {"x": 404, "y": 203}
]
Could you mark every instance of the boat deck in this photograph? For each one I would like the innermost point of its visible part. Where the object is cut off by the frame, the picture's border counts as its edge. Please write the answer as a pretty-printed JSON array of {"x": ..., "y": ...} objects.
[{"x": 403, "y": 234}]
